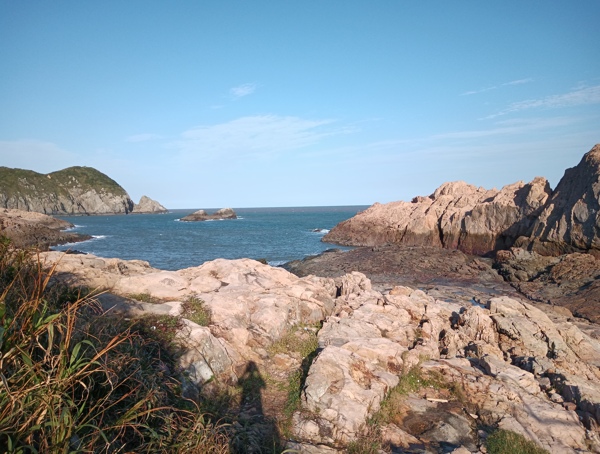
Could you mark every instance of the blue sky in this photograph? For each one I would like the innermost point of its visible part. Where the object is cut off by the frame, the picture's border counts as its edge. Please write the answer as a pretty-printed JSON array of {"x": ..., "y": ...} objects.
[{"x": 231, "y": 103}]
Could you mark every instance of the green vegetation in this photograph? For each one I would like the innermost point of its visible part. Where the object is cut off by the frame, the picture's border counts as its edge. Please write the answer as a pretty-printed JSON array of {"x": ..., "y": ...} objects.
[
  {"x": 507, "y": 442},
  {"x": 22, "y": 183},
  {"x": 144, "y": 298},
  {"x": 300, "y": 339},
  {"x": 195, "y": 310},
  {"x": 76, "y": 381}
]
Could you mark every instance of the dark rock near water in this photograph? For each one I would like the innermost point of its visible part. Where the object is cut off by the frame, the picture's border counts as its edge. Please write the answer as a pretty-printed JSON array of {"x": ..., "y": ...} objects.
[
  {"x": 202, "y": 215},
  {"x": 570, "y": 280},
  {"x": 27, "y": 229}
]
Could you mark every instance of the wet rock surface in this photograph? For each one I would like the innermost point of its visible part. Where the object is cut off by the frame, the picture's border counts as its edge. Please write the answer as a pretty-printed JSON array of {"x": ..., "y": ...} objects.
[{"x": 441, "y": 272}]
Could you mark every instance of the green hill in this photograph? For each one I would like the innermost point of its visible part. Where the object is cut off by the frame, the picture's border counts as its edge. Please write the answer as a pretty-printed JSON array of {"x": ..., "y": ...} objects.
[{"x": 75, "y": 190}]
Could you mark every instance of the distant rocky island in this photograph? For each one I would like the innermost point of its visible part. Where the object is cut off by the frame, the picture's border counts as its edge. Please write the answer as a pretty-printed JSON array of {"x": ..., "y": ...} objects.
[
  {"x": 202, "y": 215},
  {"x": 148, "y": 206},
  {"x": 71, "y": 191}
]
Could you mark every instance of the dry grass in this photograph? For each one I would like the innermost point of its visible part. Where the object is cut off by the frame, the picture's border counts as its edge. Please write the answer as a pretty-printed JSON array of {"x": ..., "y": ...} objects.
[{"x": 75, "y": 381}]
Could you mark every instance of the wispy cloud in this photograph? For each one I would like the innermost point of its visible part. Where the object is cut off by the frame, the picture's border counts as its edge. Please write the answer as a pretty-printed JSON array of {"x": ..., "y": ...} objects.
[
  {"x": 495, "y": 87},
  {"x": 254, "y": 135},
  {"x": 518, "y": 81},
  {"x": 142, "y": 137},
  {"x": 242, "y": 90},
  {"x": 509, "y": 127},
  {"x": 576, "y": 97}
]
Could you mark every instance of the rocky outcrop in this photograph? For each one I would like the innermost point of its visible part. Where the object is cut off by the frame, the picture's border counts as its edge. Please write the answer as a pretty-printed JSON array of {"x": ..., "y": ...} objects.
[
  {"x": 570, "y": 220},
  {"x": 147, "y": 205},
  {"x": 202, "y": 215},
  {"x": 514, "y": 367},
  {"x": 456, "y": 216},
  {"x": 499, "y": 363},
  {"x": 569, "y": 280},
  {"x": 27, "y": 229},
  {"x": 76, "y": 190},
  {"x": 479, "y": 221}
]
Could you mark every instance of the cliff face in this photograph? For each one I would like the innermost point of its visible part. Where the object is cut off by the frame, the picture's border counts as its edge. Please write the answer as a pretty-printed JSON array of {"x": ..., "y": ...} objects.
[
  {"x": 456, "y": 216},
  {"x": 570, "y": 221},
  {"x": 75, "y": 190},
  {"x": 479, "y": 221}
]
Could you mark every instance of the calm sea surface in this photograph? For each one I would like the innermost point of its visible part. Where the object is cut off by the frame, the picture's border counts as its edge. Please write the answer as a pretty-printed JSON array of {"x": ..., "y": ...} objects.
[{"x": 275, "y": 234}]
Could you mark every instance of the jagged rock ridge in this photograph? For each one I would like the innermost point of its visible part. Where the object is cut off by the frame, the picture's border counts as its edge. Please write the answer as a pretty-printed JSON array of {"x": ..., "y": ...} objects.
[
  {"x": 479, "y": 221},
  {"x": 148, "y": 205},
  {"x": 75, "y": 190},
  {"x": 570, "y": 221}
]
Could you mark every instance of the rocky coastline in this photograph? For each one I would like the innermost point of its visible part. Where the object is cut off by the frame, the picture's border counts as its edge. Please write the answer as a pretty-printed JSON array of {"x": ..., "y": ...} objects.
[
  {"x": 28, "y": 229},
  {"x": 484, "y": 357},
  {"x": 479, "y": 221},
  {"x": 459, "y": 315}
]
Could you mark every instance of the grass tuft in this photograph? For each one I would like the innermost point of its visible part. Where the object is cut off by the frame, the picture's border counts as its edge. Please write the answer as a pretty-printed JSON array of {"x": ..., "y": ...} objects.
[
  {"x": 144, "y": 298},
  {"x": 195, "y": 310},
  {"x": 508, "y": 442}
]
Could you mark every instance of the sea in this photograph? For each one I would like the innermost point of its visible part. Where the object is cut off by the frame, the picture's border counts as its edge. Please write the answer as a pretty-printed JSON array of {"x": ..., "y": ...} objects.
[{"x": 277, "y": 235}]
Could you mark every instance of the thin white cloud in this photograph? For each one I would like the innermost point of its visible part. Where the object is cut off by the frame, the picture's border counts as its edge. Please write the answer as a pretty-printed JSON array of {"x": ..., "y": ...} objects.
[
  {"x": 519, "y": 81},
  {"x": 254, "y": 135},
  {"x": 142, "y": 137},
  {"x": 495, "y": 87},
  {"x": 516, "y": 126},
  {"x": 482, "y": 90},
  {"x": 242, "y": 90},
  {"x": 577, "y": 97}
]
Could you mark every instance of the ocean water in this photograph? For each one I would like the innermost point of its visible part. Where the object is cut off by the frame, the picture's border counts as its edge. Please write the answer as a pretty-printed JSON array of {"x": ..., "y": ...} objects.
[{"x": 277, "y": 235}]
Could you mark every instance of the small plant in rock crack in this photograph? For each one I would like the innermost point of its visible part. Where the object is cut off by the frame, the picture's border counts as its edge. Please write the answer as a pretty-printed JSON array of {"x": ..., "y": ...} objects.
[
  {"x": 144, "y": 298},
  {"x": 196, "y": 310}
]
